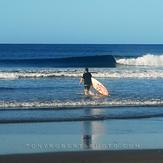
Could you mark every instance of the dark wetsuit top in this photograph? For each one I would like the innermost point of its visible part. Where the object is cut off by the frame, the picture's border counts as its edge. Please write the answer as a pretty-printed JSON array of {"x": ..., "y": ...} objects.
[{"x": 87, "y": 79}]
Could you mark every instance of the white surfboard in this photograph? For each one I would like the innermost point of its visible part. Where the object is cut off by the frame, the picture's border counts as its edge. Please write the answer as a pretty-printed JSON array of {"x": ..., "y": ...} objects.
[{"x": 99, "y": 87}]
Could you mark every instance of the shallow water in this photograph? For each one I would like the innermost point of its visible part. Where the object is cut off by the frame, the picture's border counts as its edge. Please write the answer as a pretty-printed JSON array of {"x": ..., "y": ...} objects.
[{"x": 66, "y": 92}]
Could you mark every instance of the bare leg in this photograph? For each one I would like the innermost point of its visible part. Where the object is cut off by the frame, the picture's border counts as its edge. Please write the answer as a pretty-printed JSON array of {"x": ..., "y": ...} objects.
[
  {"x": 91, "y": 91},
  {"x": 86, "y": 92}
]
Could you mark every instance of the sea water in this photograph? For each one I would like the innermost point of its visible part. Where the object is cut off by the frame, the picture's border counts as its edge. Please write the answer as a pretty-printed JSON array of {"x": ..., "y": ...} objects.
[
  {"x": 135, "y": 81},
  {"x": 32, "y": 90}
]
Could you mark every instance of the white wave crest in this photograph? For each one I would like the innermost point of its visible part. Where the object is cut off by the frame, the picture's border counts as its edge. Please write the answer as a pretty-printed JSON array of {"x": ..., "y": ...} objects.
[
  {"x": 146, "y": 60},
  {"x": 81, "y": 103}
]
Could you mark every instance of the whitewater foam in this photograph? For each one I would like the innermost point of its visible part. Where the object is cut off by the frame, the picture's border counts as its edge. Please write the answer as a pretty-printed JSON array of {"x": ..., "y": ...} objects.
[
  {"x": 146, "y": 60},
  {"x": 97, "y": 73},
  {"x": 81, "y": 103},
  {"x": 154, "y": 69}
]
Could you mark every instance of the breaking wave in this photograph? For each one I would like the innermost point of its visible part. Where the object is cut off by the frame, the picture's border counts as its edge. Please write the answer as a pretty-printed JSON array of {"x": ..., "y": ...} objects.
[
  {"x": 146, "y": 60},
  {"x": 82, "y": 61}
]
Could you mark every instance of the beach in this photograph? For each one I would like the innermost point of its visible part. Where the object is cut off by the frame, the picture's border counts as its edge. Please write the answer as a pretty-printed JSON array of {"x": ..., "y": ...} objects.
[
  {"x": 81, "y": 81},
  {"x": 138, "y": 140},
  {"x": 45, "y": 117}
]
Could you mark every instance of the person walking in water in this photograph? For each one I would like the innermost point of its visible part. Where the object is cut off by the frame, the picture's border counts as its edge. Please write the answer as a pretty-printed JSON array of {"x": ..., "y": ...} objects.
[{"x": 86, "y": 79}]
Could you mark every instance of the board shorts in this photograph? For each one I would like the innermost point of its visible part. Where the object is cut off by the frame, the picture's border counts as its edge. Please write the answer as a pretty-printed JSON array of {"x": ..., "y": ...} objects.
[{"x": 87, "y": 87}]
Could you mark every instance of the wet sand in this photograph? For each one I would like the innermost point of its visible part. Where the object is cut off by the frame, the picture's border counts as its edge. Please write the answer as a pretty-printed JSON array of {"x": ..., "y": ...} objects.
[
  {"x": 123, "y": 156},
  {"x": 121, "y": 141}
]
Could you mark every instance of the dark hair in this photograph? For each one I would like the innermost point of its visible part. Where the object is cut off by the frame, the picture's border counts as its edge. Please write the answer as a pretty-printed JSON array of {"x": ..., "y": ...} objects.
[{"x": 86, "y": 69}]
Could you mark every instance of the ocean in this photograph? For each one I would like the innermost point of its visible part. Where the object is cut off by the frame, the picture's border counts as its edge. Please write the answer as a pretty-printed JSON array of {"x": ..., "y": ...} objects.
[
  {"x": 43, "y": 107},
  {"x": 44, "y": 79}
]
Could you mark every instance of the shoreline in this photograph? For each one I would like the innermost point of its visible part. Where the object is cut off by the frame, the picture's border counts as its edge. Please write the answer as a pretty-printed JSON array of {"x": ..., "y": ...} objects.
[
  {"x": 13, "y": 116},
  {"x": 121, "y": 156}
]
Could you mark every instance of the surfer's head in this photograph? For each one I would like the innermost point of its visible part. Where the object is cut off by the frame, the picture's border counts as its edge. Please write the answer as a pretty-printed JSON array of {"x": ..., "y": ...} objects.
[{"x": 86, "y": 69}]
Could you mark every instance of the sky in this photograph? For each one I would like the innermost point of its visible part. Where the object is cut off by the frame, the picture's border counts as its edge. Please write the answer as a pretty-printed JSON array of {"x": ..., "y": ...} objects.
[{"x": 81, "y": 21}]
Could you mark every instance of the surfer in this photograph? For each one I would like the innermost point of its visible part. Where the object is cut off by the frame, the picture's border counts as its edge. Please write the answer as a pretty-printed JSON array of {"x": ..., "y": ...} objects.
[{"x": 86, "y": 78}]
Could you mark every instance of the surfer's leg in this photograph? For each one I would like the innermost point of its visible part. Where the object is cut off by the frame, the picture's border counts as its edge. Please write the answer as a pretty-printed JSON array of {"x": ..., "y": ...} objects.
[
  {"x": 86, "y": 90},
  {"x": 91, "y": 91}
]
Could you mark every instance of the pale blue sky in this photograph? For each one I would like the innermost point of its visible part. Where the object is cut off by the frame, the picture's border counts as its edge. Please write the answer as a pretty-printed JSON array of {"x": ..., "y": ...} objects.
[{"x": 81, "y": 21}]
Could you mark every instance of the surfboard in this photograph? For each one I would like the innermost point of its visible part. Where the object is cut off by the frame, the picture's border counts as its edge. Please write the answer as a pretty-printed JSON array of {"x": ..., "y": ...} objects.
[{"x": 99, "y": 87}]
